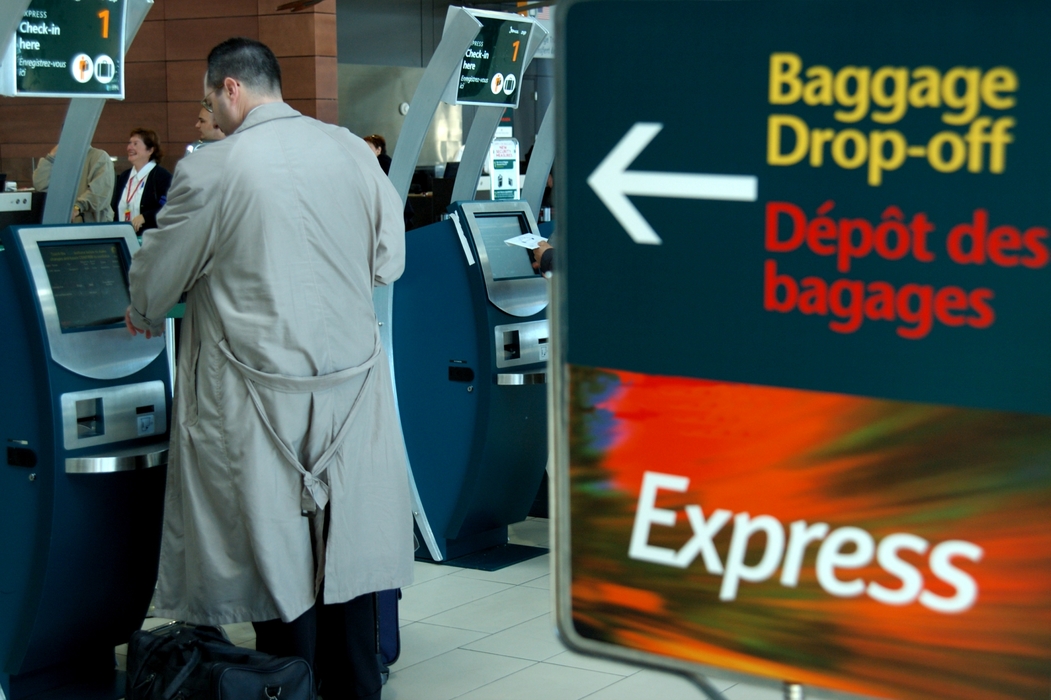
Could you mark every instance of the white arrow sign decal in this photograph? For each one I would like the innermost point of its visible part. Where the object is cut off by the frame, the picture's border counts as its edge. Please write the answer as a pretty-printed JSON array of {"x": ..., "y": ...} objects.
[{"x": 613, "y": 183}]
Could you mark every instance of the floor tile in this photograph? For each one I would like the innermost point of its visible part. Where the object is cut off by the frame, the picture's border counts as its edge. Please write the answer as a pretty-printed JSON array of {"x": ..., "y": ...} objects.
[
  {"x": 592, "y": 663},
  {"x": 497, "y": 612},
  {"x": 240, "y": 632},
  {"x": 544, "y": 681},
  {"x": 421, "y": 641},
  {"x": 531, "y": 531},
  {"x": 650, "y": 684},
  {"x": 438, "y": 595},
  {"x": 423, "y": 571},
  {"x": 535, "y": 640},
  {"x": 542, "y": 582},
  {"x": 528, "y": 570},
  {"x": 450, "y": 675}
]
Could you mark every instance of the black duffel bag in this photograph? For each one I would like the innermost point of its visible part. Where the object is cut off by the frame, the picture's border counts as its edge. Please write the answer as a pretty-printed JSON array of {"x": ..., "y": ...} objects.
[{"x": 196, "y": 662}]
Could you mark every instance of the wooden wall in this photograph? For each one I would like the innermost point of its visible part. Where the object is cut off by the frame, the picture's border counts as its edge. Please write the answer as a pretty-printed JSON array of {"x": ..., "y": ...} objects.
[{"x": 165, "y": 70}]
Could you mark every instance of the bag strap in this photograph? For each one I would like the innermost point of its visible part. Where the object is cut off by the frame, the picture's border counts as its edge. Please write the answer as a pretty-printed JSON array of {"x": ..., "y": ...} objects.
[{"x": 184, "y": 673}]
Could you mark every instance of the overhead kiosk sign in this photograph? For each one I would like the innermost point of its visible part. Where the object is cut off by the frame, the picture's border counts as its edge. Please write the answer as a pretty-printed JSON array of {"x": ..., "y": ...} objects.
[
  {"x": 490, "y": 73},
  {"x": 802, "y": 338},
  {"x": 67, "y": 48}
]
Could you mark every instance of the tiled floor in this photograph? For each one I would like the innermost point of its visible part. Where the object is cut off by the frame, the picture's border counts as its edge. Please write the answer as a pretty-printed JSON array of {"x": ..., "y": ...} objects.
[{"x": 477, "y": 635}]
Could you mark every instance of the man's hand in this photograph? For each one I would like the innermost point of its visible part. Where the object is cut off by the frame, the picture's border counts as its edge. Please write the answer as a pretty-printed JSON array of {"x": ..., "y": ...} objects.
[
  {"x": 538, "y": 253},
  {"x": 131, "y": 326},
  {"x": 137, "y": 222}
]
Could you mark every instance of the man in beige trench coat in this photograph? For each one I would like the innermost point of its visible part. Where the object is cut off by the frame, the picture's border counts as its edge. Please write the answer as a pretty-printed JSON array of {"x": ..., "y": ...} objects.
[{"x": 287, "y": 475}]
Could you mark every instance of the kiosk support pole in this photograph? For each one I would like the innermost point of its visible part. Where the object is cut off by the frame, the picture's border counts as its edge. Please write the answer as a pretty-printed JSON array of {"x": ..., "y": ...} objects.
[
  {"x": 540, "y": 162},
  {"x": 440, "y": 70},
  {"x": 81, "y": 119},
  {"x": 445, "y": 62}
]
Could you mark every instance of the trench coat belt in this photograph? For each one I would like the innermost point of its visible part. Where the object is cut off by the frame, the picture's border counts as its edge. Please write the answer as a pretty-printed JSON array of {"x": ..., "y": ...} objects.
[{"x": 315, "y": 491}]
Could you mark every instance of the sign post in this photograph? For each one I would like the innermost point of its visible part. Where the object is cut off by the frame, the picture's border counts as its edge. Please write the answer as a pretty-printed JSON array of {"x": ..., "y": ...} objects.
[{"x": 802, "y": 397}]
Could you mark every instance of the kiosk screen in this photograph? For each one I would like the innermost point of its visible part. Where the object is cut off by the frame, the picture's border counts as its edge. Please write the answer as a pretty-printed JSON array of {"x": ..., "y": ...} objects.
[
  {"x": 89, "y": 282},
  {"x": 505, "y": 261}
]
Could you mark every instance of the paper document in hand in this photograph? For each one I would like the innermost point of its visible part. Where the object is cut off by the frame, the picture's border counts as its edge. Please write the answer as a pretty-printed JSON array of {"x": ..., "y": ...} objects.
[{"x": 526, "y": 240}]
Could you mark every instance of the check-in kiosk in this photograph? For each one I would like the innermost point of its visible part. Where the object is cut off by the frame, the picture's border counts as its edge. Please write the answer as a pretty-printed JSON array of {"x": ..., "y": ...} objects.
[
  {"x": 84, "y": 420},
  {"x": 471, "y": 339}
]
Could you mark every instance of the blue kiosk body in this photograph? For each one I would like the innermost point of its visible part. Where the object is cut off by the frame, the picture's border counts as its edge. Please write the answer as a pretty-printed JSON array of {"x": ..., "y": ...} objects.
[
  {"x": 85, "y": 427},
  {"x": 470, "y": 358}
]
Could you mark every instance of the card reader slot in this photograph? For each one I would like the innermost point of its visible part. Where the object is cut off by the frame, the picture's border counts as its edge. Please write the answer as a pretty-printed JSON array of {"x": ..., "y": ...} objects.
[{"x": 90, "y": 418}]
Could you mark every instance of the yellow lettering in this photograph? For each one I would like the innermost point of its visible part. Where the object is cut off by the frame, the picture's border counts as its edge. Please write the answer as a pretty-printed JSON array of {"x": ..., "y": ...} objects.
[
  {"x": 839, "y": 149},
  {"x": 925, "y": 90},
  {"x": 784, "y": 72},
  {"x": 896, "y": 100},
  {"x": 968, "y": 101},
  {"x": 878, "y": 160},
  {"x": 996, "y": 80},
  {"x": 818, "y": 89},
  {"x": 859, "y": 99},
  {"x": 774, "y": 156}
]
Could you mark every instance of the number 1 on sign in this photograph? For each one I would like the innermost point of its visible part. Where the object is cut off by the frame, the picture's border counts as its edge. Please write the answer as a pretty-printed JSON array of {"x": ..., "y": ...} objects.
[
  {"x": 514, "y": 57},
  {"x": 104, "y": 16}
]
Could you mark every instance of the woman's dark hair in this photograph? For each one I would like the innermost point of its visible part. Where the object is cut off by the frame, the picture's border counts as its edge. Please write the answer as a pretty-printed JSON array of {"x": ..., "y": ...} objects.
[
  {"x": 378, "y": 141},
  {"x": 247, "y": 61},
  {"x": 149, "y": 140}
]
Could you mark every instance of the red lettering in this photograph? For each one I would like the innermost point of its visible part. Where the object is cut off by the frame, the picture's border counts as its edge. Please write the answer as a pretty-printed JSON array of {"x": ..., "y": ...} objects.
[
  {"x": 851, "y": 312},
  {"x": 823, "y": 228},
  {"x": 979, "y": 302},
  {"x": 773, "y": 213},
  {"x": 975, "y": 233},
  {"x": 879, "y": 305},
  {"x": 813, "y": 299},
  {"x": 1003, "y": 240},
  {"x": 1031, "y": 239},
  {"x": 847, "y": 249},
  {"x": 892, "y": 226},
  {"x": 771, "y": 284},
  {"x": 922, "y": 316},
  {"x": 946, "y": 301},
  {"x": 920, "y": 227}
]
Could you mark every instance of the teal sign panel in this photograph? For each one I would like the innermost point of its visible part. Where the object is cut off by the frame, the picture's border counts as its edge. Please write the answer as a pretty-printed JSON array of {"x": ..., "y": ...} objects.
[
  {"x": 491, "y": 69},
  {"x": 821, "y": 195},
  {"x": 64, "y": 48}
]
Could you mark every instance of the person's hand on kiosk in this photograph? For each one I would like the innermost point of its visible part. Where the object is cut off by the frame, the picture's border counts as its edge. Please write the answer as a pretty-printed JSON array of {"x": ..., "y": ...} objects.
[
  {"x": 137, "y": 222},
  {"x": 131, "y": 326},
  {"x": 538, "y": 253}
]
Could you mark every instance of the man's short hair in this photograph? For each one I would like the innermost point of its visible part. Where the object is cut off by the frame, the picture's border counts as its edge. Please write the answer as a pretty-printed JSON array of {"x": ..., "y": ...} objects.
[{"x": 247, "y": 61}]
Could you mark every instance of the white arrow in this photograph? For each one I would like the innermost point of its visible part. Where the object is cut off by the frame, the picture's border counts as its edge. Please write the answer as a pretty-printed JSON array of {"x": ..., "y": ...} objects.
[{"x": 613, "y": 183}]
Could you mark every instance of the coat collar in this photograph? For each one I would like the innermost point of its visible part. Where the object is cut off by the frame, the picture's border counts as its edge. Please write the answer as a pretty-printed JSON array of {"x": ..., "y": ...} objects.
[{"x": 265, "y": 113}]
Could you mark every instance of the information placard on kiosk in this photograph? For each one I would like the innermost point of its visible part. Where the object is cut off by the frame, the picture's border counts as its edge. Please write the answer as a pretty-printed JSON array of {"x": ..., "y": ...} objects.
[
  {"x": 67, "y": 49},
  {"x": 85, "y": 423},
  {"x": 470, "y": 338}
]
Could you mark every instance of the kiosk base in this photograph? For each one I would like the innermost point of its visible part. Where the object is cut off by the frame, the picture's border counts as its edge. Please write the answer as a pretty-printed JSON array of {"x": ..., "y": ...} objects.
[{"x": 484, "y": 551}]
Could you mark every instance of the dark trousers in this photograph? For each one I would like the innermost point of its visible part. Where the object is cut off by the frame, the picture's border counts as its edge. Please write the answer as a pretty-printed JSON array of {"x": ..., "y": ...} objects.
[{"x": 338, "y": 640}]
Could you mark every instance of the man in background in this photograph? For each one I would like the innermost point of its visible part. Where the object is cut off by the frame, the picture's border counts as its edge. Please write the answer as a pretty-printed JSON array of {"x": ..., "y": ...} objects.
[
  {"x": 288, "y": 495},
  {"x": 95, "y": 190},
  {"x": 210, "y": 131}
]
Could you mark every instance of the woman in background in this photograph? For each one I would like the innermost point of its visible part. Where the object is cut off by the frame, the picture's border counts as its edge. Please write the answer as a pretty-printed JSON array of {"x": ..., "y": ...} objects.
[
  {"x": 378, "y": 144},
  {"x": 142, "y": 189}
]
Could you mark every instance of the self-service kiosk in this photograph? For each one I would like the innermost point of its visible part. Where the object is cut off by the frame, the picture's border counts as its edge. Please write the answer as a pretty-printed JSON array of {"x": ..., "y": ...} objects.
[
  {"x": 470, "y": 356},
  {"x": 84, "y": 420}
]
